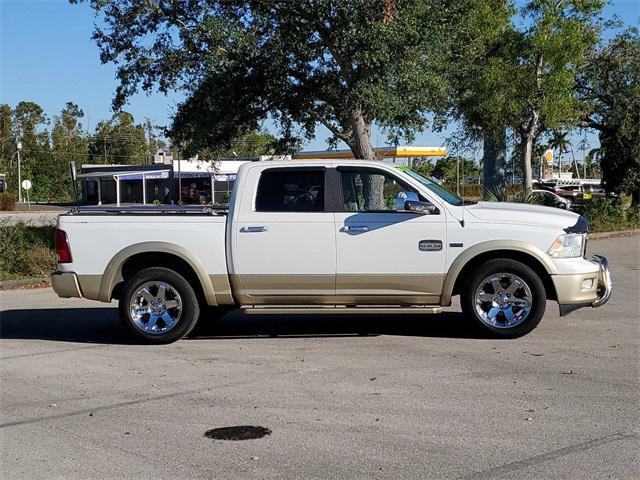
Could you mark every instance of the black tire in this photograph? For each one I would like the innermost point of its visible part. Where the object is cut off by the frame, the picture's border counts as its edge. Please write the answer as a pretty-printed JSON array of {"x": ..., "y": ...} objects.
[
  {"x": 507, "y": 267},
  {"x": 189, "y": 310}
]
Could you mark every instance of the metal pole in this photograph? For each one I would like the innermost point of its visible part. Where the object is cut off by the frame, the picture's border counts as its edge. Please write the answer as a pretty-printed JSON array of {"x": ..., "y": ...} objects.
[
  {"x": 144, "y": 189},
  {"x": 458, "y": 175},
  {"x": 213, "y": 190},
  {"x": 19, "y": 176},
  {"x": 117, "y": 191},
  {"x": 99, "y": 191},
  {"x": 584, "y": 156},
  {"x": 179, "y": 184}
]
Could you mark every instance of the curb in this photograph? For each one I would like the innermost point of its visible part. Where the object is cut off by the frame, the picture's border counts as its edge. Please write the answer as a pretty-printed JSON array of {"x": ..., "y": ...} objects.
[
  {"x": 24, "y": 283},
  {"x": 620, "y": 233}
]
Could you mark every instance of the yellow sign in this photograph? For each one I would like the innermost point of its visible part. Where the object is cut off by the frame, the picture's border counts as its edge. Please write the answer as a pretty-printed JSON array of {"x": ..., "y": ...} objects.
[{"x": 548, "y": 156}]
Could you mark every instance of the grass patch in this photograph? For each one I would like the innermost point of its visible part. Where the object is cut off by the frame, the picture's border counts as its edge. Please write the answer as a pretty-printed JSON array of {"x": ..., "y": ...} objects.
[{"x": 26, "y": 251}]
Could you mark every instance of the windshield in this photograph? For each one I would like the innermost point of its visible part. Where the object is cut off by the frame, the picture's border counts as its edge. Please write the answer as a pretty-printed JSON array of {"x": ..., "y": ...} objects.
[{"x": 442, "y": 192}]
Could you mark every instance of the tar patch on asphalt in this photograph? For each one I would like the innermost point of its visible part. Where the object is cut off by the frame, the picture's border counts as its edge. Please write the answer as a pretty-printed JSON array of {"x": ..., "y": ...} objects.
[{"x": 241, "y": 432}]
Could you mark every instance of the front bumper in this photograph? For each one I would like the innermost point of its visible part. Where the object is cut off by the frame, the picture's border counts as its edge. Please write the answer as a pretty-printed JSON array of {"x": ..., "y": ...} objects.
[
  {"x": 585, "y": 289},
  {"x": 65, "y": 284}
]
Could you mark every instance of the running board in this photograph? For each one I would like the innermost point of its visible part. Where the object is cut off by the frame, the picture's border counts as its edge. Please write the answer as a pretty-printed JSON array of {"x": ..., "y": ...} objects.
[{"x": 322, "y": 309}]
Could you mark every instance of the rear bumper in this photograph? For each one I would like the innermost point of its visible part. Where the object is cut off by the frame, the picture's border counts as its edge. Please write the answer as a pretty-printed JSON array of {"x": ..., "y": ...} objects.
[
  {"x": 65, "y": 284},
  {"x": 585, "y": 289}
]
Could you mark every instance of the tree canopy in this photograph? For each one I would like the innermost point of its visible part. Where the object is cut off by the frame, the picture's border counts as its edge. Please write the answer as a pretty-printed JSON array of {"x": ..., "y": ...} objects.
[
  {"x": 521, "y": 74},
  {"x": 610, "y": 84},
  {"x": 345, "y": 64}
]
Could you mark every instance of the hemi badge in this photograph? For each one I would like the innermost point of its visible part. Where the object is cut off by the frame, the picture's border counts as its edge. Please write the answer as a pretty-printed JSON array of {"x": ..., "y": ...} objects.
[
  {"x": 430, "y": 245},
  {"x": 455, "y": 244}
]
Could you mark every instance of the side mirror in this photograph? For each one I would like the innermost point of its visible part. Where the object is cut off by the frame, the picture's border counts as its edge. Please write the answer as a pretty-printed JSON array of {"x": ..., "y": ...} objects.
[
  {"x": 403, "y": 197},
  {"x": 425, "y": 208}
]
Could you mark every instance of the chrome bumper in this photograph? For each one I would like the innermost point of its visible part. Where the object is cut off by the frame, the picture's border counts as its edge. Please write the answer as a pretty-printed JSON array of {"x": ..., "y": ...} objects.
[
  {"x": 572, "y": 296},
  {"x": 605, "y": 286}
]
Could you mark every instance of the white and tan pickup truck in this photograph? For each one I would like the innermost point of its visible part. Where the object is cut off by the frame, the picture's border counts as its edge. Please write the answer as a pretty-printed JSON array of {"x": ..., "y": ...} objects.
[{"x": 322, "y": 234}]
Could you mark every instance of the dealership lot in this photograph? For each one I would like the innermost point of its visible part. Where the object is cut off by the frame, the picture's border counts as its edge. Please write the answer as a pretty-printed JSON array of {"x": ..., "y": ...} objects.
[{"x": 416, "y": 397}]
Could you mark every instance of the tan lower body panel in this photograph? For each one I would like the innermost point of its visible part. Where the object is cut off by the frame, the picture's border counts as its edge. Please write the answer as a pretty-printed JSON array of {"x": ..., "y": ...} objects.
[
  {"x": 90, "y": 286},
  {"x": 374, "y": 289},
  {"x": 222, "y": 289}
]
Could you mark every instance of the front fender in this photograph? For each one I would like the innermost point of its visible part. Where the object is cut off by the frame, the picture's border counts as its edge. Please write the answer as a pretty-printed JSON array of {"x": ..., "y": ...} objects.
[{"x": 484, "y": 247}]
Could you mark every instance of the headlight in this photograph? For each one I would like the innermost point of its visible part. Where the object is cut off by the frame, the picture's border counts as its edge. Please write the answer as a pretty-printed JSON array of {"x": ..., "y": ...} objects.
[{"x": 567, "y": 246}]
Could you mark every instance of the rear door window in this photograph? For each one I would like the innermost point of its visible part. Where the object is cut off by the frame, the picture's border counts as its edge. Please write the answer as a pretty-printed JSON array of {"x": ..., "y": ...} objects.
[{"x": 291, "y": 190}]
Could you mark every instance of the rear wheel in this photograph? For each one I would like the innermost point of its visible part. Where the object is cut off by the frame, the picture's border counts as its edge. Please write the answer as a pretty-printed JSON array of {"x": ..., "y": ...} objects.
[
  {"x": 504, "y": 297},
  {"x": 158, "y": 306}
]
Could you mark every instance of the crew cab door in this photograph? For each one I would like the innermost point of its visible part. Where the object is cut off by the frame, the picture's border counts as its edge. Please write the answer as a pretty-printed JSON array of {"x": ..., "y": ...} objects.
[
  {"x": 283, "y": 240},
  {"x": 385, "y": 255}
]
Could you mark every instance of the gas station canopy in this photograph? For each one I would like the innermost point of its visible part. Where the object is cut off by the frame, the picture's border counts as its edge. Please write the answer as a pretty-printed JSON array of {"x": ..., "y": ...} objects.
[{"x": 381, "y": 152}]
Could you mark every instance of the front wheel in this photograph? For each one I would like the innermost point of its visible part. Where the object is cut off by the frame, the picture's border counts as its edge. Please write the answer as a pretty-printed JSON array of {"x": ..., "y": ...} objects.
[
  {"x": 504, "y": 297},
  {"x": 158, "y": 306}
]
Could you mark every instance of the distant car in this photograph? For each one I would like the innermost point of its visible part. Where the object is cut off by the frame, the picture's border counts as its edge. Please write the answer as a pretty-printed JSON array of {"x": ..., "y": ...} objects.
[
  {"x": 551, "y": 199},
  {"x": 589, "y": 192}
]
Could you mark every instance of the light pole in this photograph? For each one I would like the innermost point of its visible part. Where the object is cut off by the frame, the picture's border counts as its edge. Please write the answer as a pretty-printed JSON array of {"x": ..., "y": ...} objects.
[{"x": 18, "y": 148}]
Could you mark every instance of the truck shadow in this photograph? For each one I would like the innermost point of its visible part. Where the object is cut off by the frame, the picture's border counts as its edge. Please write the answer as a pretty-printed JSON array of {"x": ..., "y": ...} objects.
[{"x": 101, "y": 325}]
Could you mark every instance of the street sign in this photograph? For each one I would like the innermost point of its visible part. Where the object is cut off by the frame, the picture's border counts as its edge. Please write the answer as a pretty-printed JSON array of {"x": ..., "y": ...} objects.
[{"x": 26, "y": 184}]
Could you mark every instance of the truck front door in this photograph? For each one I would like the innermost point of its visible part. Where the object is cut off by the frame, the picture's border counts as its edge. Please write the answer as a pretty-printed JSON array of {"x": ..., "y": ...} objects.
[
  {"x": 283, "y": 242},
  {"x": 385, "y": 255}
]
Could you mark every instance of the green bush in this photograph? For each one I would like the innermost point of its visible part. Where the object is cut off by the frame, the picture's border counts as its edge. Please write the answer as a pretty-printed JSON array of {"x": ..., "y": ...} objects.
[
  {"x": 26, "y": 251},
  {"x": 475, "y": 191},
  {"x": 608, "y": 214},
  {"x": 7, "y": 201}
]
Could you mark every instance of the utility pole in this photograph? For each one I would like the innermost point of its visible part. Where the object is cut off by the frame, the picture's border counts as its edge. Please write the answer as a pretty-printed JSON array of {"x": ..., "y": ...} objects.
[
  {"x": 584, "y": 156},
  {"x": 18, "y": 148}
]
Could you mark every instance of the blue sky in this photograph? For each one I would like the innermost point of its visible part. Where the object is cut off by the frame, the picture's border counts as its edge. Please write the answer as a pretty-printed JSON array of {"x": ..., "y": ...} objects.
[{"x": 47, "y": 56}]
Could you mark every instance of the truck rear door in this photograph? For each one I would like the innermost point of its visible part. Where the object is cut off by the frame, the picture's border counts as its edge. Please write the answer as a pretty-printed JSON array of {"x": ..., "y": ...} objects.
[{"x": 283, "y": 240}]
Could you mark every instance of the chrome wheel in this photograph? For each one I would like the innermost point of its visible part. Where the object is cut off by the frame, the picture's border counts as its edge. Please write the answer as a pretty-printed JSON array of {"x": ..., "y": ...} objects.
[
  {"x": 503, "y": 300},
  {"x": 155, "y": 307}
]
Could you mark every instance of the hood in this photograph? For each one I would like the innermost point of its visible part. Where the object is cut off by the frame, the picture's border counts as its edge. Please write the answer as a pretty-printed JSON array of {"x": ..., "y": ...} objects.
[{"x": 508, "y": 212}]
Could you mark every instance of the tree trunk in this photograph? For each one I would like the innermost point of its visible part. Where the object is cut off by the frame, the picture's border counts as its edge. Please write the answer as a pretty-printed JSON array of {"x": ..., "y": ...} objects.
[
  {"x": 361, "y": 142},
  {"x": 494, "y": 160},
  {"x": 635, "y": 200},
  {"x": 526, "y": 154},
  {"x": 373, "y": 185}
]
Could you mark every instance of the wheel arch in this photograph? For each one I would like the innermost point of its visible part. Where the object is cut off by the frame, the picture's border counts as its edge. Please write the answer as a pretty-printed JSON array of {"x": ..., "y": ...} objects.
[
  {"x": 155, "y": 254},
  {"x": 473, "y": 257}
]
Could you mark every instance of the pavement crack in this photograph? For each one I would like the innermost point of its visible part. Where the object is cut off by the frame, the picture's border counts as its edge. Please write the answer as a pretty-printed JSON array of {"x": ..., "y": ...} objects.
[
  {"x": 52, "y": 352},
  {"x": 86, "y": 411},
  {"x": 552, "y": 455}
]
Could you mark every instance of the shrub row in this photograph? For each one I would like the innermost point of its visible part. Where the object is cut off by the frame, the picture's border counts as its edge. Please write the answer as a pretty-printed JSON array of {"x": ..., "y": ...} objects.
[
  {"x": 7, "y": 201},
  {"x": 26, "y": 251},
  {"x": 608, "y": 215}
]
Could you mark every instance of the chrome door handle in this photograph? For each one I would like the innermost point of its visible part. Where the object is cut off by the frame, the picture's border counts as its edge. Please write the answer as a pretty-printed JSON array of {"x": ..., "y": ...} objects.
[
  {"x": 253, "y": 229},
  {"x": 356, "y": 229}
]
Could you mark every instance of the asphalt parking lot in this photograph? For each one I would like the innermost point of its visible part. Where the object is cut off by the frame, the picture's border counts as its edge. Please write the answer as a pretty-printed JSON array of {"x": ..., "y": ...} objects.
[{"x": 417, "y": 397}]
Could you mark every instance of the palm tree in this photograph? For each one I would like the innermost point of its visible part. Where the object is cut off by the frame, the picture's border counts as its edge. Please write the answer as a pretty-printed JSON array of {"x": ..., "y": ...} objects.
[
  {"x": 560, "y": 142},
  {"x": 592, "y": 162}
]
